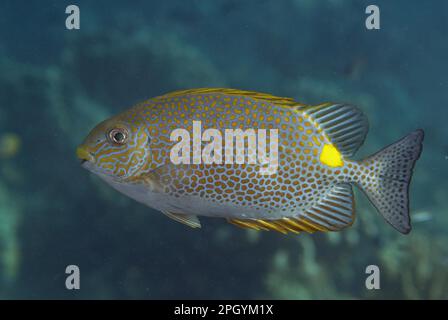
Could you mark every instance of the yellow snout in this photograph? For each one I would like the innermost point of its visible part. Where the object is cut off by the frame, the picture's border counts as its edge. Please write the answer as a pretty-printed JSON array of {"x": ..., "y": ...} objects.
[{"x": 83, "y": 154}]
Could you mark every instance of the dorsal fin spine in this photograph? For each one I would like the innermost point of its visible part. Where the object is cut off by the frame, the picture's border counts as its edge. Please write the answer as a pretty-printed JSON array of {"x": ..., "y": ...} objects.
[
  {"x": 343, "y": 125},
  {"x": 280, "y": 101}
]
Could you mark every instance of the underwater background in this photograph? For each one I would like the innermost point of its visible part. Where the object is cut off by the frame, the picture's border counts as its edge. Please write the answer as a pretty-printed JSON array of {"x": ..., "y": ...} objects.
[{"x": 56, "y": 84}]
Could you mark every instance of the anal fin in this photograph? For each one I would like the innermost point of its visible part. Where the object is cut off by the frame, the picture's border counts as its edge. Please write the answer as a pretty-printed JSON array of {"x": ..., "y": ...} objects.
[
  {"x": 189, "y": 220},
  {"x": 283, "y": 225},
  {"x": 335, "y": 211},
  {"x": 260, "y": 224}
]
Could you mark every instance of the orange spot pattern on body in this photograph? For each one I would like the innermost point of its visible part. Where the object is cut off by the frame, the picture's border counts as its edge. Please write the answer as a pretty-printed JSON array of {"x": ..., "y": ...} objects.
[{"x": 300, "y": 181}]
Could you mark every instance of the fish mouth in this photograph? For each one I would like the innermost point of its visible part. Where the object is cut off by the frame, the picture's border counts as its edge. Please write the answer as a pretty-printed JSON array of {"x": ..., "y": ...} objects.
[
  {"x": 85, "y": 156},
  {"x": 87, "y": 160},
  {"x": 85, "y": 163}
]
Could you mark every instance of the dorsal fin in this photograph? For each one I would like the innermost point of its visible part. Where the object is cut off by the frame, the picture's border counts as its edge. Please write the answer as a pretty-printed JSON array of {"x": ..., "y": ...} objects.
[
  {"x": 189, "y": 220},
  {"x": 289, "y": 102},
  {"x": 345, "y": 125},
  {"x": 335, "y": 211}
]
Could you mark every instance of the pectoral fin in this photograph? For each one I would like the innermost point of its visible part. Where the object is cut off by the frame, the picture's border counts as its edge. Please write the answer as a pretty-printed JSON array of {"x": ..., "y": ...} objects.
[{"x": 189, "y": 220}]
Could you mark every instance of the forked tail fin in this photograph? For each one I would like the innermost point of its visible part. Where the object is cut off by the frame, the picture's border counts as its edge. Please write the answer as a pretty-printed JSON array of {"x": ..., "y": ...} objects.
[{"x": 392, "y": 171}]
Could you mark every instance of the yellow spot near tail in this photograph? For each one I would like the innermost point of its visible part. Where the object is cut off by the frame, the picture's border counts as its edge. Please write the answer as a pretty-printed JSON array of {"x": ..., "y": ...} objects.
[{"x": 331, "y": 157}]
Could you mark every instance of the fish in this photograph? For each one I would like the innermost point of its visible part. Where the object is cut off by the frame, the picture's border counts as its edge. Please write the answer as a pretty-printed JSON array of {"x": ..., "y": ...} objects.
[{"x": 311, "y": 189}]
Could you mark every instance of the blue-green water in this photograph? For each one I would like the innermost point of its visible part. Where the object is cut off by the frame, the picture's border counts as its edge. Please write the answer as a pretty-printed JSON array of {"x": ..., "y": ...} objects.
[{"x": 56, "y": 84}]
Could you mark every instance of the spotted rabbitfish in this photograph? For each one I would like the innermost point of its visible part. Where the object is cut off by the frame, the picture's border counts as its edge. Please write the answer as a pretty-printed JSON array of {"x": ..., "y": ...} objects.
[{"x": 311, "y": 189}]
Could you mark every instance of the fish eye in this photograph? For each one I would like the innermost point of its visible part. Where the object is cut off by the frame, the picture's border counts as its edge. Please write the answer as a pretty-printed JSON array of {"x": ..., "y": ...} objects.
[{"x": 118, "y": 136}]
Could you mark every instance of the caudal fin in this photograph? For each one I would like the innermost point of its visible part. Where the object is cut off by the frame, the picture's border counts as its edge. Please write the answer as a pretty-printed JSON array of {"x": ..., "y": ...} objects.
[{"x": 392, "y": 171}]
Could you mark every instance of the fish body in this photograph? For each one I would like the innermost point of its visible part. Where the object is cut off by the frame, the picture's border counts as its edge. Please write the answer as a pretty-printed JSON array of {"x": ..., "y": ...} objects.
[{"x": 308, "y": 187}]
